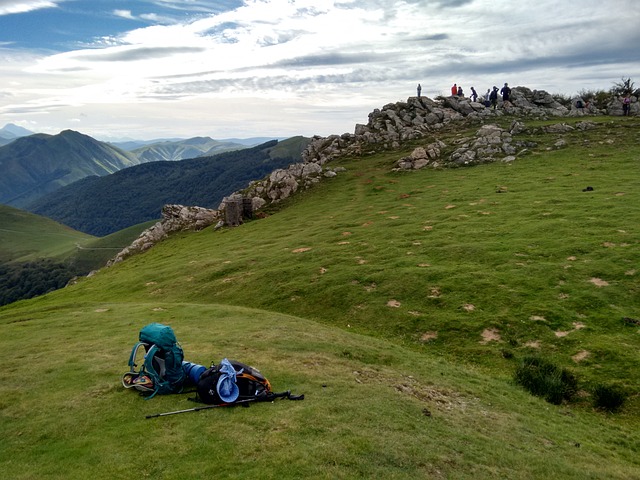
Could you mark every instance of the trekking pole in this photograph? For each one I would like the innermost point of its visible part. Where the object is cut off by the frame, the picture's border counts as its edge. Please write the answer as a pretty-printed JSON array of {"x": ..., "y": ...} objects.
[
  {"x": 266, "y": 398},
  {"x": 204, "y": 407}
]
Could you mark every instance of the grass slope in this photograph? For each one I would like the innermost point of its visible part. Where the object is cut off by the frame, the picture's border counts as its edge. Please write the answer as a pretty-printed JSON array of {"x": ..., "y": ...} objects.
[
  {"x": 25, "y": 236},
  {"x": 398, "y": 303}
]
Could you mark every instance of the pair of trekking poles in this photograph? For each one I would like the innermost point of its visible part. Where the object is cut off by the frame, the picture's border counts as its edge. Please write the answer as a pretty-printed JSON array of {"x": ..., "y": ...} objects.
[{"x": 269, "y": 397}]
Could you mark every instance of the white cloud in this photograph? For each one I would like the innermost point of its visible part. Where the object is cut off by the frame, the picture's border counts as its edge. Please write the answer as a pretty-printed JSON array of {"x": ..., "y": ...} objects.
[
  {"x": 124, "y": 14},
  {"x": 270, "y": 65},
  {"x": 21, "y": 6}
]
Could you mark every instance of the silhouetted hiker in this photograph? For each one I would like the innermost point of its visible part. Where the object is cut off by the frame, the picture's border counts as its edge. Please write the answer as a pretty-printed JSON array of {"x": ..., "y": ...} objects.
[
  {"x": 493, "y": 97},
  {"x": 506, "y": 92},
  {"x": 626, "y": 105},
  {"x": 419, "y": 90},
  {"x": 474, "y": 95}
]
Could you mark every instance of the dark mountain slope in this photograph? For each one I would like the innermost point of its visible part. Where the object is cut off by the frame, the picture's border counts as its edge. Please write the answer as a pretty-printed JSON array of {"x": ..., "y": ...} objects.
[
  {"x": 102, "y": 205},
  {"x": 39, "y": 164}
]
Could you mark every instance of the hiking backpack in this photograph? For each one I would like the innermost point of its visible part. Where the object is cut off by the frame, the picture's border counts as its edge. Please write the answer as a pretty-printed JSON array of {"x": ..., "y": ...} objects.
[
  {"x": 231, "y": 381},
  {"x": 161, "y": 369}
]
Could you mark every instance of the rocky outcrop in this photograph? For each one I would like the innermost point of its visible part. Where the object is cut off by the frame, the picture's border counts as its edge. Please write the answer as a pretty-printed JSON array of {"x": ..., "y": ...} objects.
[
  {"x": 174, "y": 218},
  {"x": 489, "y": 144},
  {"x": 614, "y": 107},
  {"x": 396, "y": 123}
]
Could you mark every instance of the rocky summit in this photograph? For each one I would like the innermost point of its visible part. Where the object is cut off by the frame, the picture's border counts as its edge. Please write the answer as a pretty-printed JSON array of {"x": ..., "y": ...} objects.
[{"x": 388, "y": 128}]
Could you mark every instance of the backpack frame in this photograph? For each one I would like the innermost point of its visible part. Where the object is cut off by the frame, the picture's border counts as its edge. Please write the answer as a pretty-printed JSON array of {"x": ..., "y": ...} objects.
[{"x": 161, "y": 369}]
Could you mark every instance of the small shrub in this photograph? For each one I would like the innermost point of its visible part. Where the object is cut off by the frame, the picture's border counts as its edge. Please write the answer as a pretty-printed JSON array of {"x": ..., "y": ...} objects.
[
  {"x": 562, "y": 99},
  {"x": 598, "y": 98},
  {"x": 544, "y": 379},
  {"x": 608, "y": 397},
  {"x": 506, "y": 354}
]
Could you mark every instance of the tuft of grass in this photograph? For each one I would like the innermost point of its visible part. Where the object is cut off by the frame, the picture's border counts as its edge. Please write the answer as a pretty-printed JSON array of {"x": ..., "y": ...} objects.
[
  {"x": 544, "y": 379},
  {"x": 608, "y": 397}
]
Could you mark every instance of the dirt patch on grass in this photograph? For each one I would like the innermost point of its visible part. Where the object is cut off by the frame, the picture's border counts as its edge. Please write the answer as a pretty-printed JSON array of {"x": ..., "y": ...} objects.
[
  {"x": 393, "y": 304},
  {"x": 598, "y": 282},
  {"x": 428, "y": 336},
  {"x": 371, "y": 287},
  {"x": 300, "y": 250},
  {"x": 578, "y": 357},
  {"x": 576, "y": 326},
  {"x": 490, "y": 335},
  {"x": 437, "y": 397},
  {"x": 434, "y": 292},
  {"x": 533, "y": 344},
  {"x": 468, "y": 307}
]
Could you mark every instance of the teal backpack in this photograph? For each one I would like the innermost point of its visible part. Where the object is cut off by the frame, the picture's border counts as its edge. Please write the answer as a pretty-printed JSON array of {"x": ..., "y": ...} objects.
[{"x": 160, "y": 370}]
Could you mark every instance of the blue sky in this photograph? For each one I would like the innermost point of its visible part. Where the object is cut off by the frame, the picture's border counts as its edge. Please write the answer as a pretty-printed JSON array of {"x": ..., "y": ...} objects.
[{"x": 241, "y": 68}]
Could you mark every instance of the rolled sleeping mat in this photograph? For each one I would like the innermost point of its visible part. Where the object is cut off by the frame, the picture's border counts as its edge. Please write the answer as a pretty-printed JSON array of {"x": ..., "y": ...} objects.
[{"x": 193, "y": 371}]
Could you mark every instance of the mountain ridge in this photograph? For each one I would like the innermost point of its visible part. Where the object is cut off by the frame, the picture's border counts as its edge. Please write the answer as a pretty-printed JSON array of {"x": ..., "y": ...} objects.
[
  {"x": 35, "y": 164},
  {"x": 38, "y": 164},
  {"x": 101, "y": 205}
]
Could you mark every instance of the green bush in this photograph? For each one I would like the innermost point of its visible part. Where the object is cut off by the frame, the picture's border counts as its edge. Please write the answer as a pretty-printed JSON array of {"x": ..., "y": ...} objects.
[
  {"x": 608, "y": 397},
  {"x": 599, "y": 98},
  {"x": 544, "y": 379}
]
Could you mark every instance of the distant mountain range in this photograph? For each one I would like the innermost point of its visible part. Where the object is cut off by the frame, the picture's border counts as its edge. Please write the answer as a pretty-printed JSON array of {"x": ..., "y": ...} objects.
[
  {"x": 131, "y": 145},
  {"x": 182, "y": 149},
  {"x": 35, "y": 164},
  {"x": 10, "y": 132},
  {"x": 100, "y": 205},
  {"x": 38, "y": 164}
]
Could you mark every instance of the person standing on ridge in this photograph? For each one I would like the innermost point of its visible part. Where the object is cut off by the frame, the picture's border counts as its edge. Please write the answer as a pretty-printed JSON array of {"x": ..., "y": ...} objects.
[
  {"x": 506, "y": 93},
  {"x": 626, "y": 105},
  {"x": 460, "y": 93},
  {"x": 419, "y": 90},
  {"x": 493, "y": 97},
  {"x": 454, "y": 90},
  {"x": 474, "y": 94}
]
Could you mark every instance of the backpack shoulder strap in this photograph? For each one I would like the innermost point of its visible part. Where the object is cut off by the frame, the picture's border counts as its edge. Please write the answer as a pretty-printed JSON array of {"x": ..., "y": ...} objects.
[
  {"x": 134, "y": 352},
  {"x": 148, "y": 368}
]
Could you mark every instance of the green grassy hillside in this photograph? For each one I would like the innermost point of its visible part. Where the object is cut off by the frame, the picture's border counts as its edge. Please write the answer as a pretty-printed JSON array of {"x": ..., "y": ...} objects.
[
  {"x": 25, "y": 236},
  {"x": 399, "y": 303},
  {"x": 38, "y": 255}
]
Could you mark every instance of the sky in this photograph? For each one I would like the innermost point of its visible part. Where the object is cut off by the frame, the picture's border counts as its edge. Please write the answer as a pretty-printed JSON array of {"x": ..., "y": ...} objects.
[{"x": 148, "y": 69}]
